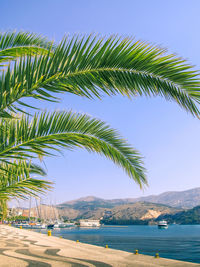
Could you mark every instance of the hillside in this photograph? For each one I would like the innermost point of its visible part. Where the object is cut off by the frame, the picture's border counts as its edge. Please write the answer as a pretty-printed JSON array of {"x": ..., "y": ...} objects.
[
  {"x": 137, "y": 213},
  {"x": 132, "y": 210},
  {"x": 191, "y": 216},
  {"x": 93, "y": 207},
  {"x": 184, "y": 199},
  {"x": 168, "y": 205},
  {"x": 92, "y": 202},
  {"x": 180, "y": 199},
  {"x": 120, "y": 214}
]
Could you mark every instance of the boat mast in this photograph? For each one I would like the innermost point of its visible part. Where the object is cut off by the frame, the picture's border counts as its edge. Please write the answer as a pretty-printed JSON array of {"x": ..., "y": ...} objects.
[
  {"x": 38, "y": 213},
  {"x": 29, "y": 209}
]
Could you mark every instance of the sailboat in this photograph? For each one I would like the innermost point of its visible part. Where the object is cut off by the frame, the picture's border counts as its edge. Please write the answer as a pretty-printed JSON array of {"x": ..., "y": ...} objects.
[
  {"x": 30, "y": 224},
  {"x": 58, "y": 221}
]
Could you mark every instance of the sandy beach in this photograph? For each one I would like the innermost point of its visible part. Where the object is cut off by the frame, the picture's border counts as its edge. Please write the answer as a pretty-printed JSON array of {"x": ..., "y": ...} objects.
[{"x": 21, "y": 247}]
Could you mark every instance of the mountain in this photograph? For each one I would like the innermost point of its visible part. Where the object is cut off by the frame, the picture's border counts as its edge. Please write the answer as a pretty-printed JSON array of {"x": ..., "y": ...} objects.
[
  {"x": 131, "y": 210},
  {"x": 183, "y": 199},
  {"x": 172, "y": 206},
  {"x": 180, "y": 199},
  {"x": 92, "y": 202}
]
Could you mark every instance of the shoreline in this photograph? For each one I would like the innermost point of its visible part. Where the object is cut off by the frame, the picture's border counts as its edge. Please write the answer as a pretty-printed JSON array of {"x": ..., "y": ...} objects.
[{"x": 22, "y": 247}]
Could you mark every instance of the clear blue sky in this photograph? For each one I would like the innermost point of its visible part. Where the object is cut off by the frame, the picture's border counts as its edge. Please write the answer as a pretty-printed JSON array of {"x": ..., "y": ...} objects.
[{"x": 167, "y": 136}]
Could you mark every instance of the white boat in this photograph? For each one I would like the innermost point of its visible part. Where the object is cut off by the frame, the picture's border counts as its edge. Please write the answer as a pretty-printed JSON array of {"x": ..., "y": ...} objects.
[
  {"x": 62, "y": 225},
  {"x": 162, "y": 224},
  {"x": 38, "y": 226},
  {"x": 23, "y": 225}
]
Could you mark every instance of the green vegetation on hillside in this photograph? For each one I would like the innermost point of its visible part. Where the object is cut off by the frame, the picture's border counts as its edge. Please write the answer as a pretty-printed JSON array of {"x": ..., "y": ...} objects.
[{"x": 191, "y": 216}]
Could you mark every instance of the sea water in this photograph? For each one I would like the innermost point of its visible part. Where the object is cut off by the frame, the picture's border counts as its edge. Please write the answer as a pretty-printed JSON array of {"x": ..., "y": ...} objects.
[{"x": 180, "y": 242}]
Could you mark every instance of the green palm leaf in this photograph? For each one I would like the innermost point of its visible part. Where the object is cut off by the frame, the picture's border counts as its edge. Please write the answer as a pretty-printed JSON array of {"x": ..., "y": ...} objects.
[
  {"x": 23, "y": 139},
  {"x": 13, "y": 45},
  {"x": 17, "y": 180},
  {"x": 86, "y": 66},
  {"x": 91, "y": 67}
]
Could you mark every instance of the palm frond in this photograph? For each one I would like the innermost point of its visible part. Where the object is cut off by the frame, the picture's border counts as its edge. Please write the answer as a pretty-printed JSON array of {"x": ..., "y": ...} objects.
[
  {"x": 23, "y": 139},
  {"x": 16, "y": 180},
  {"x": 92, "y": 66},
  {"x": 14, "y": 45}
]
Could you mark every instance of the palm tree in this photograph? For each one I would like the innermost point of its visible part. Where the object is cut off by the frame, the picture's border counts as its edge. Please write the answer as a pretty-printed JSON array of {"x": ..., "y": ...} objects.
[
  {"x": 88, "y": 66},
  {"x": 17, "y": 181}
]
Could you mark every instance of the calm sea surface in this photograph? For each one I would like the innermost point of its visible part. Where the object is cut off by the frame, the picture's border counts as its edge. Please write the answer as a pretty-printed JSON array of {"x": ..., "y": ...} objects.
[{"x": 181, "y": 242}]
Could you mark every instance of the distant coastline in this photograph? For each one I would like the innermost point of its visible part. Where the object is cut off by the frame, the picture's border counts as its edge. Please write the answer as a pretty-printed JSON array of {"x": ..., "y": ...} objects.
[{"x": 184, "y": 209}]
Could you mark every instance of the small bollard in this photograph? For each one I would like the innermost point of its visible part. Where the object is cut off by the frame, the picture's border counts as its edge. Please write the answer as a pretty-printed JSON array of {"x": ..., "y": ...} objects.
[
  {"x": 106, "y": 246},
  {"x": 20, "y": 227},
  {"x": 49, "y": 233},
  {"x": 157, "y": 256},
  {"x": 77, "y": 241},
  {"x": 136, "y": 252}
]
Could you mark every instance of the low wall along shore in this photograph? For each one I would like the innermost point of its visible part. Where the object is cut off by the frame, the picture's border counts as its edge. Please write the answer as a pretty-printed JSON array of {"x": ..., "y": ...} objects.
[{"x": 21, "y": 247}]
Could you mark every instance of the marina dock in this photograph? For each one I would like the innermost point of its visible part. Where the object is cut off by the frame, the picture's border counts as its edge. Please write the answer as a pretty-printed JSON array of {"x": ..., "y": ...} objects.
[{"x": 20, "y": 247}]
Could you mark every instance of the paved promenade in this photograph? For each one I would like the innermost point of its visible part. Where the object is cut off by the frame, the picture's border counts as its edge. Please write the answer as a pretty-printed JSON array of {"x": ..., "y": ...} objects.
[{"x": 19, "y": 247}]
